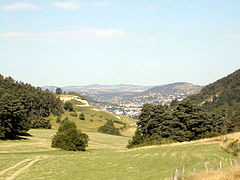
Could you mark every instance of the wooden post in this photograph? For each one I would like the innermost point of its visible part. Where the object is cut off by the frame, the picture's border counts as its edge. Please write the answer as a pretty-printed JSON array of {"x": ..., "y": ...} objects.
[
  {"x": 231, "y": 162},
  {"x": 220, "y": 164},
  {"x": 194, "y": 170},
  {"x": 176, "y": 175},
  {"x": 183, "y": 170},
  {"x": 206, "y": 167}
]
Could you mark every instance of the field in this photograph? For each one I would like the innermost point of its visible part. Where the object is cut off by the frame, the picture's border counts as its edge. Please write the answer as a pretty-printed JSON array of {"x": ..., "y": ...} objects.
[{"x": 105, "y": 158}]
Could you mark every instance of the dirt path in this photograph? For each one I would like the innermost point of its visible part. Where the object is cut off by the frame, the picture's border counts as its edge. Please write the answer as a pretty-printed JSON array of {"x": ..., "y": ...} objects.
[
  {"x": 12, "y": 167},
  {"x": 18, "y": 172}
]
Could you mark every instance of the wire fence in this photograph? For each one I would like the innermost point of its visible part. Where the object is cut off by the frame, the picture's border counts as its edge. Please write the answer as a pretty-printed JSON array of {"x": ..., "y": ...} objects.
[{"x": 180, "y": 173}]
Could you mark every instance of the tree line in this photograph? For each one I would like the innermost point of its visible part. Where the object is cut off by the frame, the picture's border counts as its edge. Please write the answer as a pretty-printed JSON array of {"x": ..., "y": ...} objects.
[
  {"x": 23, "y": 106},
  {"x": 184, "y": 121}
]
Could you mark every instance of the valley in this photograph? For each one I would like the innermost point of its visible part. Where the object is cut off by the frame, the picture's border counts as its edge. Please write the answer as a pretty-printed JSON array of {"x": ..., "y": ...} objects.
[{"x": 128, "y": 100}]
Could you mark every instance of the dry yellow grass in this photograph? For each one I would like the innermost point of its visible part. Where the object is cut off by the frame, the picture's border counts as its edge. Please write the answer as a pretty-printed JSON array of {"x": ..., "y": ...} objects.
[
  {"x": 225, "y": 174},
  {"x": 217, "y": 140}
]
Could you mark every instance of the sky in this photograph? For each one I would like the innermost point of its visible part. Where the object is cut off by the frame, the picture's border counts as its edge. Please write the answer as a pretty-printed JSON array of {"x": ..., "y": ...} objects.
[{"x": 144, "y": 42}]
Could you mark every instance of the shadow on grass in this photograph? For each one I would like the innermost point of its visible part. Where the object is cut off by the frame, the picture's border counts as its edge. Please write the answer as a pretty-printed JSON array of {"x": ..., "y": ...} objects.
[{"x": 18, "y": 137}]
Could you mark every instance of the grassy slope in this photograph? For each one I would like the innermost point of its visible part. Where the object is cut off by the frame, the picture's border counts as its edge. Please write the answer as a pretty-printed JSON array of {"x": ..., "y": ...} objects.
[
  {"x": 95, "y": 118},
  {"x": 105, "y": 158}
]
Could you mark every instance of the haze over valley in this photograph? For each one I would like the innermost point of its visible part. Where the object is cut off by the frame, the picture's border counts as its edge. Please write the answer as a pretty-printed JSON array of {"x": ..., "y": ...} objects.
[{"x": 127, "y": 99}]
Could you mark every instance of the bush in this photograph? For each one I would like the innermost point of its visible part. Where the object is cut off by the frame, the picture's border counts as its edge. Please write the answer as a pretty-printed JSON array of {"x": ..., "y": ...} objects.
[
  {"x": 82, "y": 116},
  {"x": 68, "y": 106},
  {"x": 69, "y": 138},
  {"x": 231, "y": 146},
  {"x": 139, "y": 141},
  {"x": 109, "y": 128}
]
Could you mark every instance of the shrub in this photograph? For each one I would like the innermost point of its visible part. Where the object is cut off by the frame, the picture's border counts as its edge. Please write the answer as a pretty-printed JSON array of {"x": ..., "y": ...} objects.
[
  {"x": 69, "y": 138},
  {"x": 109, "y": 128},
  {"x": 82, "y": 116},
  {"x": 68, "y": 106},
  {"x": 139, "y": 141},
  {"x": 231, "y": 146}
]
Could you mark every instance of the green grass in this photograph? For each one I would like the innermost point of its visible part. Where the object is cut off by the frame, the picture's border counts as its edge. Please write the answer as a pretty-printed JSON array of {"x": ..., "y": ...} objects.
[
  {"x": 95, "y": 118},
  {"x": 105, "y": 158}
]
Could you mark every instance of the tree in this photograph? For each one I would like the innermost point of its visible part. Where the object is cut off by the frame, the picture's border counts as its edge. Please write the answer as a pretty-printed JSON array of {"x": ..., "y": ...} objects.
[
  {"x": 68, "y": 106},
  {"x": 82, "y": 116},
  {"x": 109, "y": 128},
  {"x": 69, "y": 138},
  {"x": 13, "y": 117},
  {"x": 58, "y": 91}
]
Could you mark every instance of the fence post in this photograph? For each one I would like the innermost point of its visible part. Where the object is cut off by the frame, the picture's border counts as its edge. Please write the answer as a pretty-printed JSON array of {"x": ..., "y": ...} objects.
[
  {"x": 194, "y": 170},
  {"x": 206, "y": 167},
  {"x": 176, "y": 175},
  {"x": 231, "y": 162},
  {"x": 220, "y": 165},
  {"x": 183, "y": 170}
]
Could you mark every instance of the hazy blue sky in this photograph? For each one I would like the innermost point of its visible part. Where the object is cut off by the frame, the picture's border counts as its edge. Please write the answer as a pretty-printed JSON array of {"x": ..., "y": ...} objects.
[{"x": 149, "y": 42}]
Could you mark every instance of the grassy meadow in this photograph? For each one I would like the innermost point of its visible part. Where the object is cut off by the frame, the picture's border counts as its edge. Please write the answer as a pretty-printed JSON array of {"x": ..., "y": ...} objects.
[{"x": 106, "y": 158}]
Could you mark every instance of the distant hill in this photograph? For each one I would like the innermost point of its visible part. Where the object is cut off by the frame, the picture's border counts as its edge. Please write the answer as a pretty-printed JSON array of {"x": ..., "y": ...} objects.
[
  {"x": 222, "y": 95},
  {"x": 100, "y": 87},
  {"x": 173, "y": 88},
  {"x": 133, "y": 94}
]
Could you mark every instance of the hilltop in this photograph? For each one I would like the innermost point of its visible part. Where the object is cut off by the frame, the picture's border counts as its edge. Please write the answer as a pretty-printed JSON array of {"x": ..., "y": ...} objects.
[
  {"x": 178, "y": 87},
  {"x": 94, "y": 117},
  {"x": 125, "y": 92}
]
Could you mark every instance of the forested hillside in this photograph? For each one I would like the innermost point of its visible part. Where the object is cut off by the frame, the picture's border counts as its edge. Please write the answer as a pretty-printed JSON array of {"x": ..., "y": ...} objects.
[
  {"x": 214, "y": 111},
  {"x": 222, "y": 97},
  {"x": 23, "y": 106}
]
